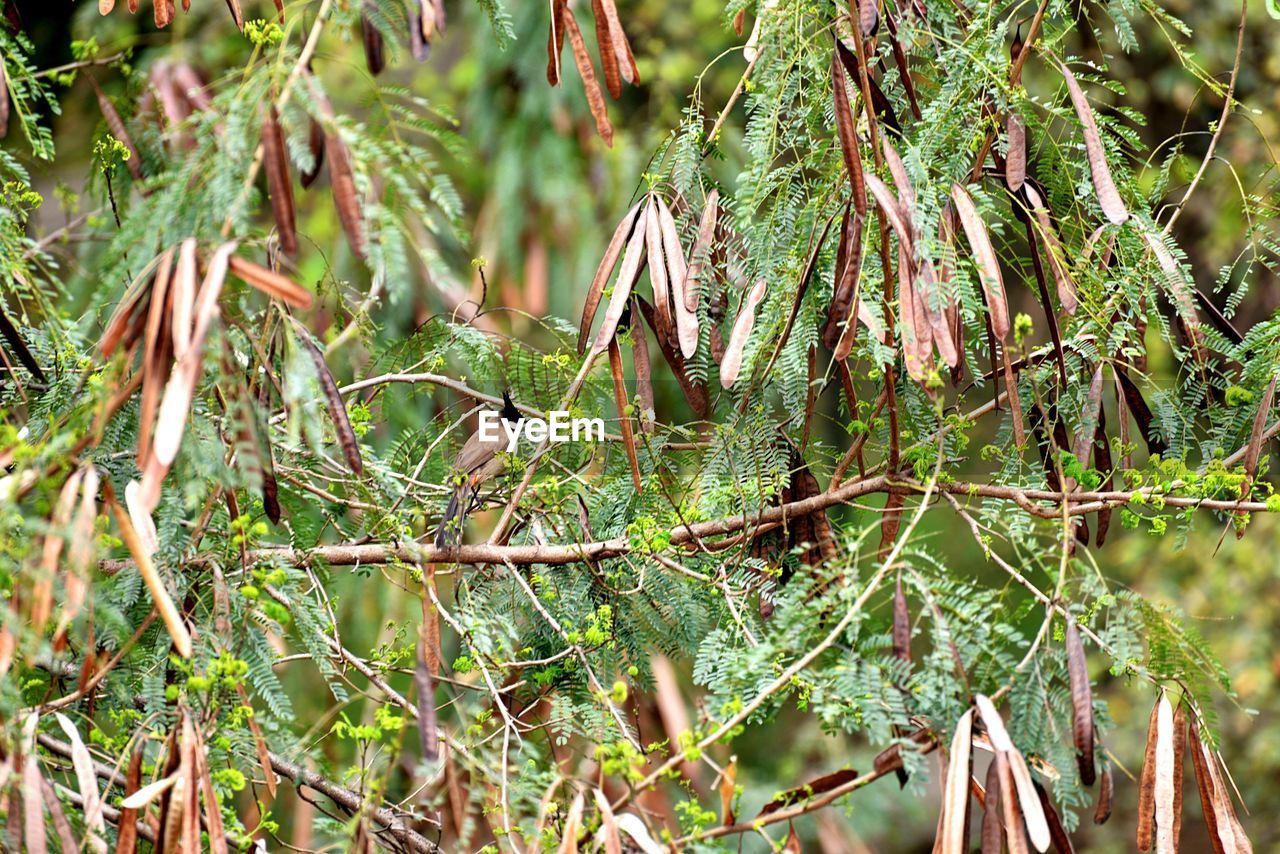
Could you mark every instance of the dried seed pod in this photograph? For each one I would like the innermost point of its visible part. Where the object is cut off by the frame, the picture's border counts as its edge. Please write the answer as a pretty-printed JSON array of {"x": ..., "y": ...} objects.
[
  {"x": 4, "y": 101},
  {"x": 686, "y": 319},
  {"x": 992, "y": 822},
  {"x": 279, "y": 186},
  {"x": 612, "y": 252},
  {"x": 1179, "y": 755},
  {"x": 644, "y": 376},
  {"x": 1147, "y": 783},
  {"x": 1253, "y": 451},
  {"x": 846, "y": 129},
  {"x": 345, "y": 196},
  {"x": 1081, "y": 703},
  {"x": 104, "y": 8},
  {"x": 1015, "y": 828},
  {"x": 633, "y": 259},
  {"x": 1015, "y": 162},
  {"x": 1108, "y": 196},
  {"x": 658, "y": 270},
  {"x": 954, "y": 838},
  {"x": 988, "y": 265},
  {"x": 1106, "y": 795},
  {"x": 1164, "y": 783},
  {"x": 1089, "y": 416},
  {"x": 620, "y": 398},
  {"x": 700, "y": 254},
  {"x": 1053, "y": 248},
  {"x": 817, "y": 786},
  {"x": 555, "y": 40},
  {"x": 236, "y": 14},
  {"x": 333, "y": 401},
  {"x": 315, "y": 141},
  {"x": 742, "y": 325},
  {"x": 868, "y": 17},
  {"x": 1179, "y": 289},
  {"x": 1058, "y": 833},
  {"x": 901, "y": 624},
  {"x": 839, "y": 333},
  {"x": 1220, "y": 835},
  {"x": 271, "y": 283},
  {"x": 374, "y": 49},
  {"x": 608, "y": 55},
  {"x": 163, "y": 12},
  {"x": 581, "y": 58},
  {"x": 621, "y": 47},
  {"x": 1137, "y": 405},
  {"x": 695, "y": 392},
  {"x": 157, "y": 355}
]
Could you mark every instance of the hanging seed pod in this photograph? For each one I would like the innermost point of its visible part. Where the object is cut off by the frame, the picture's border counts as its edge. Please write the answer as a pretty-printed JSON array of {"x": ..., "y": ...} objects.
[
  {"x": 901, "y": 624},
  {"x": 1137, "y": 405},
  {"x": 104, "y": 8},
  {"x": 1089, "y": 416},
  {"x": 1102, "y": 462},
  {"x": 633, "y": 259},
  {"x": 620, "y": 398},
  {"x": 315, "y": 142},
  {"x": 1028, "y": 801},
  {"x": 271, "y": 283},
  {"x": 1253, "y": 451},
  {"x": 985, "y": 255},
  {"x": 1179, "y": 289},
  {"x": 658, "y": 271},
  {"x": 1108, "y": 197},
  {"x": 1164, "y": 782},
  {"x": 992, "y": 821},
  {"x": 1015, "y": 828},
  {"x": 4, "y": 102},
  {"x": 608, "y": 55},
  {"x": 1147, "y": 783},
  {"x": 164, "y": 10},
  {"x": 157, "y": 356},
  {"x": 236, "y": 14},
  {"x": 595, "y": 99},
  {"x": 555, "y": 41},
  {"x": 333, "y": 401},
  {"x": 846, "y": 129},
  {"x": 1081, "y": 703},
  {"x": 279, "y": 186},
  {"x": 1179, "y": 756},
  {"x": 1058, "y": 833},
  {"x": 954, "y": 838},
  {"x": 1053, "y": 248},
  {"x": 686, "y": 319},
  {"x": 868, "y": 17},
  {"x": 345, "y": 196},
  {"x": 699, "y": 257},
  {"x": 644, "y": 375},
  {"x": 1015, "y": 162},
  {"x": 419, "y": 43},
  {"x": 695, "y": 392},
  {"x": 374, "y": 49},
  {"x": 1106, "y": 795},
  {"x": 618, "y": 39},
  {"x": 612, "y": 252},
  {"x": 734, "y": 350}
]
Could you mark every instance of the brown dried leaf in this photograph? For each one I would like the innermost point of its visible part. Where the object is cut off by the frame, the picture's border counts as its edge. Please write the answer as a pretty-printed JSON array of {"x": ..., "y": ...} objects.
[
  {"x": 1081, "y": 703},
  {"x": 731, "y": 364},
  {"x": 271, "y": 283},
  {"x": 603, "y": 272},
  {"x": 1108, "y": 197},
  {"x": 279, "y": 186},
  {"x": 581, "y": 58}
]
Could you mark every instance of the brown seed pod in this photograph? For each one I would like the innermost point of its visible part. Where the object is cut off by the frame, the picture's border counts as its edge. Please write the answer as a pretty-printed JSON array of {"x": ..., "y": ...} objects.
[
  {"x": 271, "y": 283},
  {"x": 1089, "y": 416},
  {"x": 817, "y": 786},
  {"x": 620, "y": 399},
  {"x": 104, "y": 8},
  {"x": 1106, "y": 795},
  {"x": 742, "y": 325},
  {"x": 333, "y": 402},
  {"x": 555, "y": 41},
  {"x": 1015, "y": 828},
  {"x": 581, "y": 58},
  {"x": 612, "y": 252},
  {"x": 1058, "y": 833},
  {"x": 1108, "y": 197},
  {"x": 1253, "y": 451},
  {"x": 1164, "y": 776},
  {"x": 115, "y": 124},
  {"x": 608, "y": 55},
  {"x": 988, "y": 264},
  {"x": 1220, "y": 836},
  {"x": 1081, "y": 703},
  {"x": 315, "y": 141},
  {"x": 1053, "y": 248},
  {"x": 345, "y": 196},
  {"x": 621, "y": 47},
  {"x": 694, "y": 391},
  {"x": 868, "y": 18},
  {"x": 236, "y": 14},
  {"x": 992, "y": 821},
  {"x": 1147, "y": 784},
  {"x": 954, "y": 835},
  {"x": 163, "y": 12},
  {"x": 633, "y": 259},
  {"x": 157, "y": 357},
  {"x": 837, "y": 334},
  {"x": 374, "y": 49},
  {"x": 846, "y": 129},
  {"x": 700, "y": 256},
  {"x": 279, "y": 185},
  {"x": 644, "y": 374},
  {"x": 1137, "y": 405},
  {"x": 658, "y": 271},
  {"x": 901, "y": 624},
  {"x": 1015, "y": 162},
  {"x": 1179, "y": 756},
  {"x": 686, "y": 319}
]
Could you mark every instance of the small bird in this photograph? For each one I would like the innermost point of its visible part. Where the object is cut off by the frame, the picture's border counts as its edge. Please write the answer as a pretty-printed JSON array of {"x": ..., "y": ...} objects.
[{"x": 477, "y": 462}]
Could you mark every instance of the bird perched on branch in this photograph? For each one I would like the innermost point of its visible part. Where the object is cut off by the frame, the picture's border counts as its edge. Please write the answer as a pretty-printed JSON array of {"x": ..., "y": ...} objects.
[{"x": 476, "y": 463}]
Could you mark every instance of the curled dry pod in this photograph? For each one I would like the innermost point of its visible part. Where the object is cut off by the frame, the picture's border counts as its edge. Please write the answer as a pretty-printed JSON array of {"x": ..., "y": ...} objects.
[
  {"x": 620, "y": 398},
  {"x": 1081, "y": 703},
  {"x": 374, "y": 49},
  {"x": 611, "y": 254},
  {"x": 633, "y": 259},
  {"x": 700, "y": 256},
  {"x": 271, "y": 283},
  {"x": 1015, "y": 162},
  {"x": 817, "y": 786},
  {"x": 581, "y": 58},
  {"x": 677, "y": 272},
  {"x": 742, "y": 325},
  {"x": 279, "y": 186},
  {"x": 1147, "y": 784},
  {"x": 1108, "y": 196},
  {"x": 315, "y": 142},
  {"x": 954, "y": 838},
  {"x": 333, "y": 402}
]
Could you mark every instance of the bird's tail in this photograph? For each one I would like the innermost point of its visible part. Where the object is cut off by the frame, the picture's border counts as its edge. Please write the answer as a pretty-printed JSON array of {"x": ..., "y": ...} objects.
[{"x": 455, "y": 517}]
